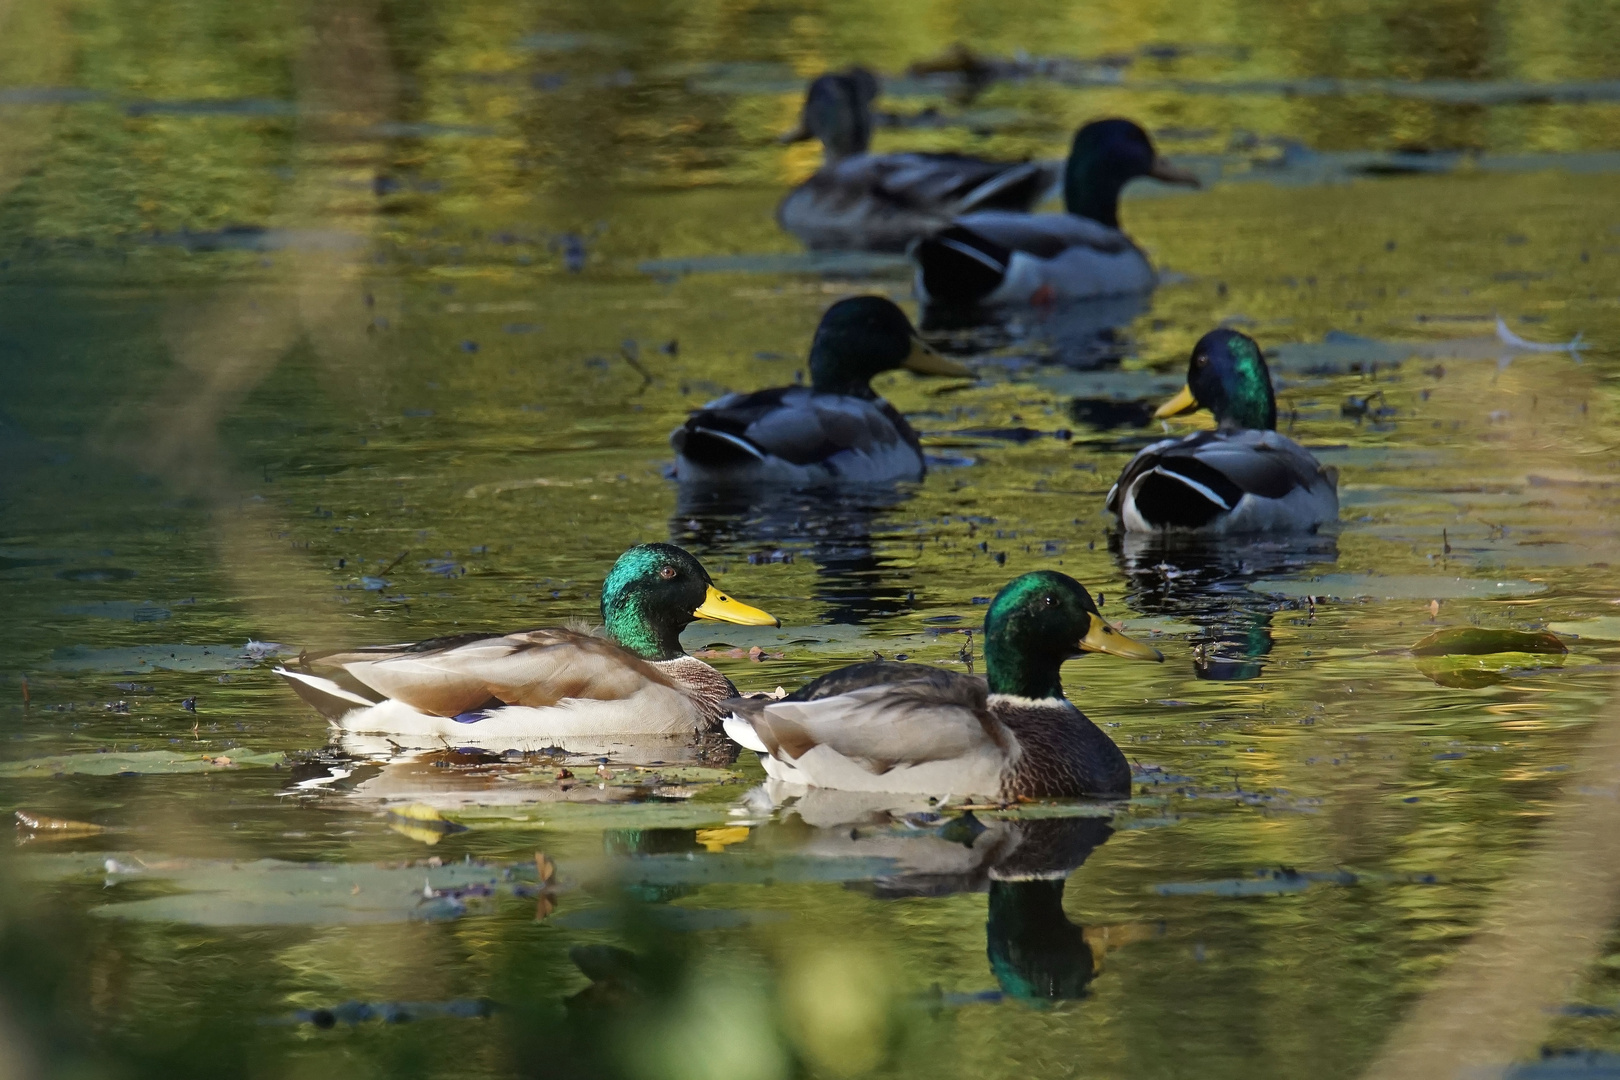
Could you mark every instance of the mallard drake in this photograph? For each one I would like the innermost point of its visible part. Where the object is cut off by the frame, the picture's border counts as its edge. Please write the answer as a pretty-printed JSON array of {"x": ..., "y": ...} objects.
[
  {"x": 883, "y": 202},
  {"x": 997, "y": 257},
  {"x": 1243, "y": 477},
  {"x": 630, "y": 678},
  {"x": 894, "y": 727},
  {"x": 834, "y": 430}
]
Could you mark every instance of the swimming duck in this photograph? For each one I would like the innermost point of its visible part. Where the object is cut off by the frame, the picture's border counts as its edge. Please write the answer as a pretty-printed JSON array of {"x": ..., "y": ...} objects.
[
  {"x": 883, "y": 202},
  {"x": 835, "y": 429},
  {"x": 894, "y": 727},
  {"x": 997, "y": 257},
  {"x": 1242, "y": 477},
  {"x": 630, "y": 678}
]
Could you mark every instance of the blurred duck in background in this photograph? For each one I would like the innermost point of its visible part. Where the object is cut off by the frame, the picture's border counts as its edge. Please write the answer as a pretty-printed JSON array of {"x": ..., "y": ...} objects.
[
  {"x": 862, "y": 201},
  {"x": 998, "y": 256}
]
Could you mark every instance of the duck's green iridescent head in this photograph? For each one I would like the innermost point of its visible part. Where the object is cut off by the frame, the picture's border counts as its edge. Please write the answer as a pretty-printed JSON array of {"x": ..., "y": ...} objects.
[
  {"x": 865, "y": 336},
  {"x": 838, "y": 111},
  {"x": 1107, "y": 155},
  {"x": 1037, "y": 622},
  {"x": 655, "y": 590},
  {"x": 1228, "y": 376}
]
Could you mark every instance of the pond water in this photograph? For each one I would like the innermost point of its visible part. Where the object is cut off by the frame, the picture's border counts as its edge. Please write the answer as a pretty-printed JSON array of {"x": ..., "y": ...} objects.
[{"x": 367, "y": 321}]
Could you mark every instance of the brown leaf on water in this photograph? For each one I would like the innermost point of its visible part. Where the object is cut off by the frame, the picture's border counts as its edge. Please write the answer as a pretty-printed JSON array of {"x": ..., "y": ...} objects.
[{"x": 40, "y": 824}]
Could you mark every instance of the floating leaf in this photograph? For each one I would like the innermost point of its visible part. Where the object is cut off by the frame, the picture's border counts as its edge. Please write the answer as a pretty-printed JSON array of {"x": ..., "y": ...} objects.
[
  {"x": 1477, "y": 640},
  {"x": 421, "y": 822},
  {"x": 1603, "y": 628},
  {"x": 41, "y": 825}
]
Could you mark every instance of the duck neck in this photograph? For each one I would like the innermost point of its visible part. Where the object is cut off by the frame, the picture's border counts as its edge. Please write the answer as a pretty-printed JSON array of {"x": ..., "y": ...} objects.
[
  {"x": 645, "y": 633},
  {"x": 1091, "y": 189},
  {"x": 1011, "y": 670},
  {"x": 830, "y": 374}
]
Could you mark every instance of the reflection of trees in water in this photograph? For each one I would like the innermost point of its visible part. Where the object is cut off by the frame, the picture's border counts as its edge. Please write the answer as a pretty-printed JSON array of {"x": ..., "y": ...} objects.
[
  {"x": 1206, "y": 583},
  {"x": 832, "y": 528}
]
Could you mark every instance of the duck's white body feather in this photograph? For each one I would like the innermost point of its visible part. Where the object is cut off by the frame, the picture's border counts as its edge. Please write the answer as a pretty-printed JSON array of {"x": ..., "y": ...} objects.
[
  {"x": 499, "y": 691},
  {"x": 928, "y": 738},
  {"x": 1227, "y": 481}
]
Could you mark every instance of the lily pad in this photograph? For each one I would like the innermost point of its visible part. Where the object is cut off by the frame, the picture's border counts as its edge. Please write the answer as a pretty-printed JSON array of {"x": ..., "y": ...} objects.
[
  {"x": 1398, "y": 587},
  {"x": 1479, "y": 640},
  {"x": 1603, "y": 628},
  {"x": 144, "y": 762}
]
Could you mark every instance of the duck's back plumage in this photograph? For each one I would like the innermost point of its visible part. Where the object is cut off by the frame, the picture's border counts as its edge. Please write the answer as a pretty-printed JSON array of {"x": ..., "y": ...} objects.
[
  {"x": 885, "y": 202},
  {"x": 999, "y": 257},
  {"x": 896, "y": 727},
  {"x": 798, "y": 435},
  {"x": 1225, "y": 481}
]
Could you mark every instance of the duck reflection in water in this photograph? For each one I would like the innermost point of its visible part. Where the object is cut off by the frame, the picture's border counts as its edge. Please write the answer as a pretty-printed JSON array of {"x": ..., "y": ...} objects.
[
  {"x": 834, "y": 529},
  {"x": 1207, "y": 584},
  {"x": 1084, "y": 335},
  {"x": 1035, "y": 952}
]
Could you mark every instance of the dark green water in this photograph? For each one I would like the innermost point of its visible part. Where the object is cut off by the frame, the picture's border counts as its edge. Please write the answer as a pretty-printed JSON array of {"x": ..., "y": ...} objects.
[{"x": 366, "y": 322}]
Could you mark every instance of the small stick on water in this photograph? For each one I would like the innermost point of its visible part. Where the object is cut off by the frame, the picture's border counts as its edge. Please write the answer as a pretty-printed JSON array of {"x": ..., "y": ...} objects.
[
  {"x": 1445, "y": 543},
  {"x": 26, "y": 698},
  {"x": 397, "y": 560},
  {"x": 966, "y": 655}
]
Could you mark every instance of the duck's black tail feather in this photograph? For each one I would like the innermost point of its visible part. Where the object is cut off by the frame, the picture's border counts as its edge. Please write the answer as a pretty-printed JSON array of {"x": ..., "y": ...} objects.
[
  {"x": 715, "y": 449},
  {"x": 960, "y": 267}
]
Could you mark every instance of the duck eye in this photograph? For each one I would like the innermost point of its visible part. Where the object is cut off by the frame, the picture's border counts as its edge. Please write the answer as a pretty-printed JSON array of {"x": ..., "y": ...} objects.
[
  {"x": 1049, "y": 600},
  {"x": 667, "y": 573},
  {"x": 1200, "y": 360}
]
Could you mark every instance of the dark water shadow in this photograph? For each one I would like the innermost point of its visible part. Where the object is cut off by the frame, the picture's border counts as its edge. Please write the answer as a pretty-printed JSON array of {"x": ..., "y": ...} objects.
[
  {"x": 833, "y": 528},
  {"x": 1084, "y": 335},
  {"x": 1206, "y": 583}
]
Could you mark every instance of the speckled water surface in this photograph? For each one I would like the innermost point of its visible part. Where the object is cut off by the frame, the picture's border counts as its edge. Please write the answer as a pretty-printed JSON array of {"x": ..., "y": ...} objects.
[{"x": 367, "y": 321}]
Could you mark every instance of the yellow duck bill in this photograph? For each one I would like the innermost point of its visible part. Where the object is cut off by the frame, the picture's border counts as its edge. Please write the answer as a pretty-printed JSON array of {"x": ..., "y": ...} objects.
[
  {"x": 1173, "y": 174},
  {"x": 925, "y": 360},
  {"x": 1103, "y": 638},
  {"x": 1182, "y": 402},
  {"x": 722, "y": 608}
]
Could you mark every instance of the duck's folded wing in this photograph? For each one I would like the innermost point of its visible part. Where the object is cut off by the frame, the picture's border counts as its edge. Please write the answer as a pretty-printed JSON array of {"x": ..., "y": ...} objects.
[
  {"x": 535, "y": 668},
  {"x": 792, "y": 424},
  {"x": 889, "y": 722},
  {"x": 953, "y": 183},
  {"x": 1041, "y": 235},
  {"x": 1219, "y": 468}
]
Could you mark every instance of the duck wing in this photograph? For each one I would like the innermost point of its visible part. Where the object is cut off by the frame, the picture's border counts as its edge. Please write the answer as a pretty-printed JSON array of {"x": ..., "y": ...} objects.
[
  {"x": 880, "y": 717},
  {"x": 949, "y": 183},
  {"x": 1189, "y": 482},
  {"x": 1044, "y": 236},
  {"x": 793, "y": 424},
  {"x": 466, "y": 673}
]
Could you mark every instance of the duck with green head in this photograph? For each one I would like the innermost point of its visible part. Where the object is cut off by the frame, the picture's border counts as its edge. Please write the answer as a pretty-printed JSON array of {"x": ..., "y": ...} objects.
[
  {"x": 995, "y": 258},
  {"x": 836, "y": 430},
  {"x": 860, "y": 201},
  {"x": 534, "y": 687},
  {"x": 909, "y": 728},
  {"x": 1243, "y": 477}
]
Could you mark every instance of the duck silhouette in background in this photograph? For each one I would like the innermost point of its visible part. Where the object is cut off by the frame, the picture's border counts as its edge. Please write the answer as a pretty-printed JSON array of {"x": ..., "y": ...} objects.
[{"x": 861, "y": 201}]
